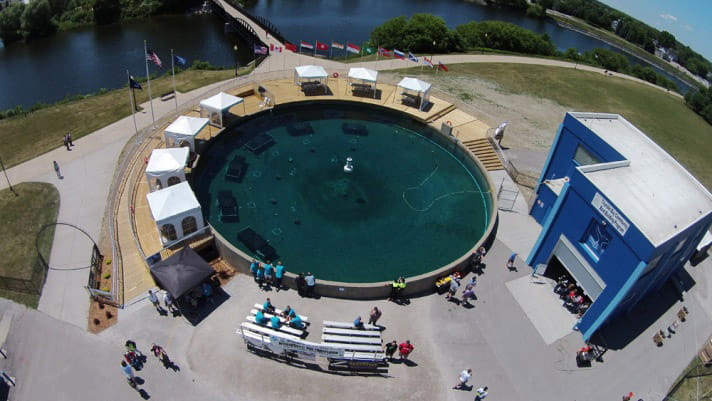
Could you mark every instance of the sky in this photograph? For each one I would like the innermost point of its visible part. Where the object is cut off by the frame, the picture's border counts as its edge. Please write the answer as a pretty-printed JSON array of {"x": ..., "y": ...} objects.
[{"x": 689, "y": 20}]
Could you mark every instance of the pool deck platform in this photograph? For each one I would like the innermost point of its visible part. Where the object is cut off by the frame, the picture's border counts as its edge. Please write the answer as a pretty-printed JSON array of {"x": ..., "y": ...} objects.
[{"x": 138, "y": 229}]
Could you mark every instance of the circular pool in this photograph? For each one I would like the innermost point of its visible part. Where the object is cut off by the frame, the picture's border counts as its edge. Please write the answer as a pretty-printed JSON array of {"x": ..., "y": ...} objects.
[{"x": 278, "y": 186}]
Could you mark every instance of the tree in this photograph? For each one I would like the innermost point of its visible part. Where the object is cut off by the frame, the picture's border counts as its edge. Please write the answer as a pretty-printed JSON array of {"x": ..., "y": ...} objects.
[
  {"x": 37, "y": 19},
  {"x": 390, "y": 32},
  {"x": 106, "y": 11},
  {"x": 666, "y": 40},
  {"x": 11, "y": 22}
]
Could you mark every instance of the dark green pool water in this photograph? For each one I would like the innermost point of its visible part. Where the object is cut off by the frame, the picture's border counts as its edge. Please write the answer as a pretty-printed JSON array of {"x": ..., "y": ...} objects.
[{"x": 410, "y": 206}]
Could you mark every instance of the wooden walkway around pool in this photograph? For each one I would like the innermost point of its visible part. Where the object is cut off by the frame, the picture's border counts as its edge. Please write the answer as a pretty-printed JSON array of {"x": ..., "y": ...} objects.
[{"x": 137, "y": 228}]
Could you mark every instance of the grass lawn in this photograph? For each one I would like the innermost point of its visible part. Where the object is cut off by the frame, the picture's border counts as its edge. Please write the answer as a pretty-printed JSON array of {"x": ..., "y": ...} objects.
[
  {"x": 41, "y": 131},
  {"x": 22, "y": 217},
  {"x": 694, "y": 383},
  {"x": 664, "y": 118}
]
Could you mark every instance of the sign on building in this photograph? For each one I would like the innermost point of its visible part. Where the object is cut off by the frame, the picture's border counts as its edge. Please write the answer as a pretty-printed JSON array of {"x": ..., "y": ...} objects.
[{"x": 610, "y": 214}]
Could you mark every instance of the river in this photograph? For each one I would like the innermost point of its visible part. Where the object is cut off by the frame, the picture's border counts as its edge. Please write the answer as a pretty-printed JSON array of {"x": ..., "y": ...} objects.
[{"x": 85, "y": 60}]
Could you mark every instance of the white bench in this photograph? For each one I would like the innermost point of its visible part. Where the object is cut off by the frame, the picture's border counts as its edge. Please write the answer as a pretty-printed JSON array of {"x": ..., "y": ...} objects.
[
  {"x": 358, "y": 347},
  {"x": 349, "y": 325},
  {"x": 279, "y": 311},
  {"x": 351, "y": 332},
  {"x": 282, "y": 327},
  {"x": 369, "y": 356},
  {"x": 267, "y": 331},
  {"x": 351, "y": 340}
]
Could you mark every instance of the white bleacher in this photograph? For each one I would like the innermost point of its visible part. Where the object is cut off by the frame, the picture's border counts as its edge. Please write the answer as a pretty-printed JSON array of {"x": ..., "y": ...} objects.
[
  {"x": 266, "y": 331},
  {"x": 349, "y": 325},
  {"x": 351, "y": 332},
  {"x": 283, "y": 327},
  {"x": 279, "y": 311},
  {"x": 330, "y": 338}
]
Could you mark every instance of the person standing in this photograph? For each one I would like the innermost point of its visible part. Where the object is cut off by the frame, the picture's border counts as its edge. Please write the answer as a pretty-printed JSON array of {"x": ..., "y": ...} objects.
[
  {"x": 465, "y": 375},
  {"x": 510, "y": 262},
  {"x": 269, "y": 273},
  {"x": 154, "y": 300},
  {"x": 454, "y": 285},
  {"x": 168, "y": 300},
  {"x": 301, "y": 283},
  {"x": 481, "y": 393},
  {"x": 391, "y": 349},
  {"x": 374, "y": 315},
  {"x": 260, "y": 275},
  {"x": 56, "y": 169},
  {"x": 468, "y": 294},
  {"x": 129, "y": 373},
  {"x": 254, "y": 267},
  {"x": 66, "y": 142},
  {"x": 278, "y": 275},
  {"x": 69, "y": 138},
  {"x": 311, "y": 284},
  {"x": 405, "y": 349},
  {"x": 162, "y": 355}
]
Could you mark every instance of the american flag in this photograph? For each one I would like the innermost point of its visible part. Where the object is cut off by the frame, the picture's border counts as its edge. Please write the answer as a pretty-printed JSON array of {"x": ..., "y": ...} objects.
[
  {"x": 260, "y": 49},
  {"x": 152, "y": 56}
]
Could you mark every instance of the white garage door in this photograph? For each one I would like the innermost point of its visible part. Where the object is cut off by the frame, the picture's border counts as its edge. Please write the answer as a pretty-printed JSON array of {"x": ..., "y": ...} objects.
[{"x": 578, "y": 267}]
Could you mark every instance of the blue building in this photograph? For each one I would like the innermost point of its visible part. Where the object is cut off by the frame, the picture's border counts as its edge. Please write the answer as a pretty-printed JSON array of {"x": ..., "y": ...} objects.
[{"x": 618, "y": 214}]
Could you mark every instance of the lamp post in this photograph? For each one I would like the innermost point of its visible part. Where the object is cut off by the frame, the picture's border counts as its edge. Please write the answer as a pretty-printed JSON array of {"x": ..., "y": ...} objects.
[
  {"x": 9, "y": 185},
  {"x": 235, "y": 49}
]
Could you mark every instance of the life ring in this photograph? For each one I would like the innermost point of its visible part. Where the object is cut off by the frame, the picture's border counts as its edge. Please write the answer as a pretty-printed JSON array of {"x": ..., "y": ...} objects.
[
  {"x": 335, "y": 75},
  {"x": 448, "y": 122}
]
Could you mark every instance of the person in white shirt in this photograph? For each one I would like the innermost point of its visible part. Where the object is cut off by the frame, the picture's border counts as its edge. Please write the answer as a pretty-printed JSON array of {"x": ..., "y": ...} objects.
[{"x": 465, "y": 375}]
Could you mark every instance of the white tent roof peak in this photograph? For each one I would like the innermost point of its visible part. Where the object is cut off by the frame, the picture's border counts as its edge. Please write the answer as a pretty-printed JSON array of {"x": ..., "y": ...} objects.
[
  {"x": 166, "y": 160},
  {"x": 221, "y": 101},
  {"x": 414, "y": 84},
  {"x": 365, "y": 74},
  {"x": 185, "y": 125},
  {"x": 311, "y": 71},
  {"x": 172, "y": 201}
]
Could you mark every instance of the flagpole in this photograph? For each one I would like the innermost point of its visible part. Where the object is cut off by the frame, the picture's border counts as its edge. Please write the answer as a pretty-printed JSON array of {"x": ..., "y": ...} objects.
[
  {"x": 331, "y": 47},
  {"x": 133, "y": 107},
  {"x": 315, "y": 49},
  {"x": 148, "y": 78},
  {"x": 173, "y": 69}
]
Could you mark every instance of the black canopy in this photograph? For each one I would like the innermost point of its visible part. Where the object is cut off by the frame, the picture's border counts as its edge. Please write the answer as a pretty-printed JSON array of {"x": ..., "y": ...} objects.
[{"x": 181, "y": 272}]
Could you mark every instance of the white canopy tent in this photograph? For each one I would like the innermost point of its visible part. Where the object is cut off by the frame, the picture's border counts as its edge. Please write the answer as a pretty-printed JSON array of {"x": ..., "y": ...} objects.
[
  {"x": 183, "y": 130},
  {"x": 359, "y": 78},
  {"x": 215, "y": 107},
  {"x": 420, "y": 88},
  {"x": 176, "y": 212},
  {"x": 166, "y": 167},
  {"x": 311, "y": 75}
]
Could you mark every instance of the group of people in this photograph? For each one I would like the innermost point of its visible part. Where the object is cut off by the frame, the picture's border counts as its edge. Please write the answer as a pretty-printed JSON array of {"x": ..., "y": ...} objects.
[
  {"x": 462, "y": 380},
  {"x": 572, "y": 295},
  {"x": 397, "y": 288},
  {"x": 288, "y": 314},
  {"x": 68, "y": 140},
  {"x": 373, "y": 317},
  {"x": 167, "y": 300},
  {"x": 404, "y": 349},
  {"x": 467, "y": 294},
  {"x": 135, "y": 359},
  {"x": 266, "y": 274}
]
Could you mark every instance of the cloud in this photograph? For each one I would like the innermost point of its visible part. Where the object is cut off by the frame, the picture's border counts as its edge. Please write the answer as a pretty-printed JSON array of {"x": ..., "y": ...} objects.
[
  {"x": 668, "y": 17},
  {"x": 687, "y": 27}
]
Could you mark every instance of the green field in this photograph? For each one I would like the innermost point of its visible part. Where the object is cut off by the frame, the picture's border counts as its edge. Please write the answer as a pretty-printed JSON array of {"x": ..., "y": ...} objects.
[
  {"x": 35, "y": 205},
  {"x": 24, "y": 137},
  {"x": 663, "y": 117}
]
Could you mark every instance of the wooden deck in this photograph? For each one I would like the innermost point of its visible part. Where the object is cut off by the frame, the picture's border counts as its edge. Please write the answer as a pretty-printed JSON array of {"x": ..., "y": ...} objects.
[{"x": 137, "y": 279}]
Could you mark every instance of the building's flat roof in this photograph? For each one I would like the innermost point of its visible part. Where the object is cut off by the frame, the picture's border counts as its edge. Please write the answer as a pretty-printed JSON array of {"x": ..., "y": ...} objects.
[{"x": 654, "y": 191}]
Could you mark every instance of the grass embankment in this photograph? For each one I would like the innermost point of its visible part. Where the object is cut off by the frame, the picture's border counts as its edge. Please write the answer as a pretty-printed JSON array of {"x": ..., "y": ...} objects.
[
  {"x": 24, "y": 137},
  {"x": 22, "y": 216},
  {"x": 694, "y": 383},
  {"x": 664, "y": 118},
  {"x": 616, "y": 40}
]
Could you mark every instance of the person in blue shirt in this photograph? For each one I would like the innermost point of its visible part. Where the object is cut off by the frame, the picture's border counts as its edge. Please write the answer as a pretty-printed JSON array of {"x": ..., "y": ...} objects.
[
  {"x": 296, "y": 322},
  {"x": 358, "y": 323},
  {"x": 260, "y": 317},
  {"x": 288, "y": 312},
  {"x": 278, "y": 274},
  {"x": 267, "y": 307},
  {"x": 274, "y": 322},
  {"x": 254, "y": 267},
  {"x": 269, "y": 272}
]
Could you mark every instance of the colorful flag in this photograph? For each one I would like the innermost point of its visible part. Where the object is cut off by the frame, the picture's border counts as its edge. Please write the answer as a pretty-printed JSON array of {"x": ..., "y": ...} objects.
[
  {"x": 260, "y": 49},
  {"x": 180, "y": 60},
  {"x": 442, "y": 66},
  {"x": 352, "y": 48},
  {"x": 398, "y": 54},
  {"x": 428, "y": 62},
  {"x": 337, "y": 45},
  {"x": 321, "y": 46},
  {"x": 306, "y": 45},
  {"x": 368, "y": 50},
  {"x": 271, "y": 47},
  {"x": 278, "y": 49},
  {"x": 412, "y": 57},
  {"x": 384, "y": 52},
  {"x": 290, "y": 47},
  {"x": 152, "y": 56},
  {"x": 133, "y": 84}
]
